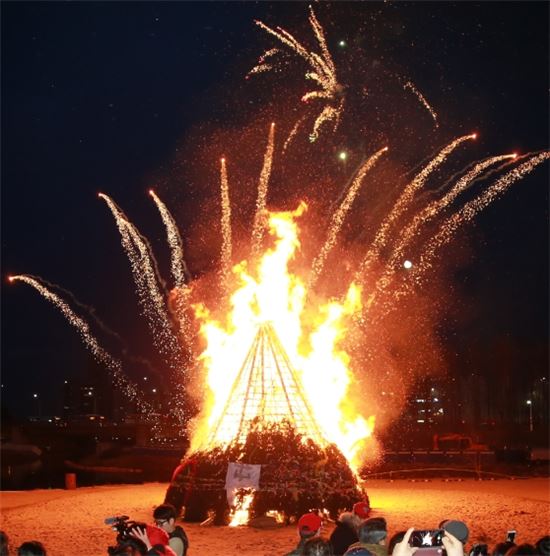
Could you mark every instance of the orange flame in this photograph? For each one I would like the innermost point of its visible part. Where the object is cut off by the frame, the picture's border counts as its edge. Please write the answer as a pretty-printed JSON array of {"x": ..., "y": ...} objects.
[
  {"x": 240, "y": 515},
  {"x": 277, "y": 297}
]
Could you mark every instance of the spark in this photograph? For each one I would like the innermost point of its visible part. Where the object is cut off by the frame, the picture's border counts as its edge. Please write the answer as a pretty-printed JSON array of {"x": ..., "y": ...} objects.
[
  {"x": 434, "y": 208},
  {"x": 293, "y": 133},
  {"x": 420, "y": 96},
  {"x": 473, "y": 207},
  {"x": 180, "y": 273},
  {"x": 145, "y": 277},
  {"x": 322, "y": 71},
  {"x": 403, "y": 203},
  {"x": 262, "y": 64},
  {"x": 422, "y": 218},
  {"x": 338, "y": 217},
  {"x": 258, "y": 228},
  {"x": 89, "y": 340},
  {"x": 227, "y": 247}
]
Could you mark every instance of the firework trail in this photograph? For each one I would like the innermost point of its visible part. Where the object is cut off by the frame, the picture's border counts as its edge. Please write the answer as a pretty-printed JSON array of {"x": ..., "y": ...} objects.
[
  {"x": 180, "y": 272},
  {"x": 321, "y": 70},
  {"x": 145, "y": 277},
  {"x": 471, "y": 209},
  {"x": 435, "y": 207},
  {"x": 293, "y": 133},
  {"x": 403, "y": 203},
  {"x": 87, "y": 308},
  {"x": 259, "y": 226},
  {"x": 422, "y": 218},
  {"x": 89, "y": 340},
  {"x": 227, "y": 247},
  {"x": 91, "y": 311},
  {"x": 263, "y": 65},
  {"x": 422, "y": 99},
  {"x": 338, "y": 217}
]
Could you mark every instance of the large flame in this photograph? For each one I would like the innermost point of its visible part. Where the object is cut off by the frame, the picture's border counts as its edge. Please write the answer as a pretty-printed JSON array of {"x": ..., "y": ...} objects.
[{"x": 309, "y": 337}]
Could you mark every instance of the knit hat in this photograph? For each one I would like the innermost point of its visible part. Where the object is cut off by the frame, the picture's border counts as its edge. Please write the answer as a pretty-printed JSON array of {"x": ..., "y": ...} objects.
[
  {"x": 361, "y": 509},
  {"x": 457, "y": 528},
  {"x": 309, "y": 523}
]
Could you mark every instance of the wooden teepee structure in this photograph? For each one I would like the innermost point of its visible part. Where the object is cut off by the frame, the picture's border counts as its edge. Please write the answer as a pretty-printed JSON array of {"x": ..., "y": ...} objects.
[{"x": 266, "y": 389}]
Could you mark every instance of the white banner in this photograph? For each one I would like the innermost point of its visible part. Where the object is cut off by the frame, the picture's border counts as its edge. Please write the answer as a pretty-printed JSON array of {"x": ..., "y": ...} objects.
[{"x": 241, "y": 475}]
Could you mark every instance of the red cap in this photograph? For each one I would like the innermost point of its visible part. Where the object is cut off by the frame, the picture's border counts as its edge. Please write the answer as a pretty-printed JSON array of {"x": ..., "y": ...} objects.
[
  {"x": 361, "y": 509},
  {"x": 157, "y": 535},
  {"x": 309, "y": 523}
]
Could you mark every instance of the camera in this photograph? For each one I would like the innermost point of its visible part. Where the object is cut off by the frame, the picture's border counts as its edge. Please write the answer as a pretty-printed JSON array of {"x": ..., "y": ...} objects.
[
  {"x": 123, "y": 525},
  {"x": 427, "y": 537}
]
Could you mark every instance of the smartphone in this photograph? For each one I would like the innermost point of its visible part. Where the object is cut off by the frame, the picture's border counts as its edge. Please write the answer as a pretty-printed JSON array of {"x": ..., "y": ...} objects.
[
  {"x": 426, "y": 538},
  {"x": 511, "y": 536},
  {"x": 431, "y": 551}
]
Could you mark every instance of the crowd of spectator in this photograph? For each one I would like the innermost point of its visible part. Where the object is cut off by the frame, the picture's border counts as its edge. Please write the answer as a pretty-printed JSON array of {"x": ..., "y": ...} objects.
[{"x": 355, "y": 534}]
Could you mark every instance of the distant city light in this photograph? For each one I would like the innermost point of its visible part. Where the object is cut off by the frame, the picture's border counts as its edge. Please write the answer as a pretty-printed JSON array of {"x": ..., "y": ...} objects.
[
  {"x": 529, "y": 402},
  {"x": 343, "y": 155},
  {"x": 35, "y": 395},
  {"x": 436, "y": 399},
  {"x": 342, "y": 43},
  {"x": 407, "y": 264}
]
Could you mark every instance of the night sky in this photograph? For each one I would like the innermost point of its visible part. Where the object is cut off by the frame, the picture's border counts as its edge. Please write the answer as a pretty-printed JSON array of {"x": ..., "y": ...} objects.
[{"x": 105, "y": 96}]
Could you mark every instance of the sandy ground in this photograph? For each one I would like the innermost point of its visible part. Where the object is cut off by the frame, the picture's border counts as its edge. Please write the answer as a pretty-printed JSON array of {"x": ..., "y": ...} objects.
[{"x": 70, "y": 523}]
